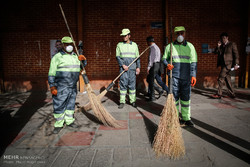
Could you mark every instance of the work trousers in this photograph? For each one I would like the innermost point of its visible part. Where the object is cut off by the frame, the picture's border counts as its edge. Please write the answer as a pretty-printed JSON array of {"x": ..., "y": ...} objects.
[
  {"x": 128, "y": 81},
  {"x": 182, "y": 92},
  {"x": 64, "y": 105}
]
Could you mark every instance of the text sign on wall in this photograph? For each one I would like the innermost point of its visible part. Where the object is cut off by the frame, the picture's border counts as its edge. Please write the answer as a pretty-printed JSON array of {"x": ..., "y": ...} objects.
[{"x": 156, "y": 25}]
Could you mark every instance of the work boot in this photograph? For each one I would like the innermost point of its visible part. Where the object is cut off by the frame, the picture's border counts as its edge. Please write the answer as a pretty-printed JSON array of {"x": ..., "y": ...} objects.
[
  {"x": 189, "y": 123},
  {"x": 73, "y": 125},
  {"x": 57, "y": 130},
  {"x": 121, "y": 105},
  {"x": 134, "y": 105}
]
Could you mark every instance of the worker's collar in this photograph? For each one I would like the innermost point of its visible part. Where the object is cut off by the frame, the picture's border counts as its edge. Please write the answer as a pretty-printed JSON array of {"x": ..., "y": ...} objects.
[
  {"x": 183, "y": 43},
  {"x": 64, "y": 53},
  {"x": 126, "y": 42}
]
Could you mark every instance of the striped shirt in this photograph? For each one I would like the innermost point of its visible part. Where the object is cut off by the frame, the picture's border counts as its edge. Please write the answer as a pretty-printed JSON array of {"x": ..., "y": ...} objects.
[{"x": 154, "y": 55}]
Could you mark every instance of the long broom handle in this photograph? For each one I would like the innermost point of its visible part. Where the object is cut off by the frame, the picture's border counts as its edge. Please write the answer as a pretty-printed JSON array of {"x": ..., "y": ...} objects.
[
  {"x": 113, "y": 82},
  {"x": 131, "y": 63},
  {"x": 85, "y": 78},
  {"x": 171, "y": 62}
]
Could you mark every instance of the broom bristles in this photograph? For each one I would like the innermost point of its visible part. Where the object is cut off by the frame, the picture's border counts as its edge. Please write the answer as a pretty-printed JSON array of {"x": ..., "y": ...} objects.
[
  {"x": 87, "y": 106},
  {"x": 168, "y": 140},
  {"x": 100, "y": 112}
]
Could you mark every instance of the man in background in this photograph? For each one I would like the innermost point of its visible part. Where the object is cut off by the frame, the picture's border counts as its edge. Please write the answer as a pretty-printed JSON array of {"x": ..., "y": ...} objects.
[{"x": 228, "y": 59}]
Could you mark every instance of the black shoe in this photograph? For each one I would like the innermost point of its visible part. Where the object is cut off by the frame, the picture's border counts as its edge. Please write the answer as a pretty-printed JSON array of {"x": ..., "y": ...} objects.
[
  {"x": 134, "y": 105},
  {"x": 160, "y": 94},
  {"x": 189, "y": 123},
  {"x": 182, "y": 122},
  {"x": 57, "y": 130},
  {"x": 73, "y": 125},
  {"x": 121, "y": 106}
]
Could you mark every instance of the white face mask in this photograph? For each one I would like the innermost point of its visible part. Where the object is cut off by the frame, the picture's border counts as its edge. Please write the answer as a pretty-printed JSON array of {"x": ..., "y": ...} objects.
[
  {"x": 69, "y": 48},
  {"x": 180, "y": 38}
]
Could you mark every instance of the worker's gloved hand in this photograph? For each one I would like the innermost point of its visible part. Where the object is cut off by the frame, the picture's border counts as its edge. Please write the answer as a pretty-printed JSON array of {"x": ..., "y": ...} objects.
[
  {"x": 193, "y": 81},
  {"x": 170, "y": 67},
  {"x": 53, "y": 90},
  {"x": 81, "y": 57}
]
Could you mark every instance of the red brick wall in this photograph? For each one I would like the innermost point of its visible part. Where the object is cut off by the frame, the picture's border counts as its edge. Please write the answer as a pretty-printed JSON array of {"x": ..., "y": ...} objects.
[{"x": 28, "y": 26}]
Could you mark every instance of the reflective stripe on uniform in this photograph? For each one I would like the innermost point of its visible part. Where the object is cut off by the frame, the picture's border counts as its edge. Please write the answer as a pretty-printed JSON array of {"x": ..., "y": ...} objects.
[
  {"x": 181, "y": 57},
  {"x": 128, "y": 53},
  {"x": 69, "y": 115},
  {"x": 70, "y": 66},
  {"x": 132, "y": 96},
  {"x": 185, "y": 110},
  {"x": 60, "y": 118}
]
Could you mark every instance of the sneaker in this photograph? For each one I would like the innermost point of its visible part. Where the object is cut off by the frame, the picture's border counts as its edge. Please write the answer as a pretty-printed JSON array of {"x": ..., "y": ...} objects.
[
  {"x": 73, "y": 125},
  {"x": 216, "y": 96},
  {"x": 134, "y": 105},
  {"x": 189, "y": 123},
  {"x": 57, "y": 130},
  {"x": 121, "y": 106}
]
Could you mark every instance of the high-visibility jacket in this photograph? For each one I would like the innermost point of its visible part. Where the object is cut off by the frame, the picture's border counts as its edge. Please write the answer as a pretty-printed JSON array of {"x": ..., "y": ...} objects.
[
  {"x": 184, "y": 60},
  {"x": 126, "y": 53},
  {"x": 64, "y": 70}
]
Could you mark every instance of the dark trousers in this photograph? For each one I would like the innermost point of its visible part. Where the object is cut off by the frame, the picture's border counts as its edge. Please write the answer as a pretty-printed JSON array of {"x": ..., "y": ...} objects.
[
  {"x": 160, "y": 82},
  {"x": 225, "y": 77},
  {"x": 151, "y": 77}
]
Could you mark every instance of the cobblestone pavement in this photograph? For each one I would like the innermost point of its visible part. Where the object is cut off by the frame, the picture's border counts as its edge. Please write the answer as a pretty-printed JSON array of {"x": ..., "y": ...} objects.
[{"x": 220, "y": 138}]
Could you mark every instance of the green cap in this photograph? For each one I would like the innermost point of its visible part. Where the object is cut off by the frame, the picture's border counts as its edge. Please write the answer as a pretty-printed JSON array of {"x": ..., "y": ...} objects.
[
  {"x": 67, "y": 40},
  {"x": 180, "y": 28},
  {"x": 125, "y": 31}
]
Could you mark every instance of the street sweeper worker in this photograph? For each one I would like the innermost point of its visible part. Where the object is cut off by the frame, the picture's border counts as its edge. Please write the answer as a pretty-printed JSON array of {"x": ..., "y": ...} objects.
[
  {"x": 63, "y": 76},
  {"x": 126, "y": 52},
  {"x": 184, "y": 69}
]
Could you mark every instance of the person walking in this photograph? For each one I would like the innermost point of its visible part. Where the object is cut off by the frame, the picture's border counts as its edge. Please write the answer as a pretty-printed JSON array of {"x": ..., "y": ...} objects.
[
  {"x": 228, "y": 59},
  {"x": 184, "y": 68},
  {"x": 62, "y": 78},
  {"x": 126, "y": 52},
  {"x": 153, "y": 70}
]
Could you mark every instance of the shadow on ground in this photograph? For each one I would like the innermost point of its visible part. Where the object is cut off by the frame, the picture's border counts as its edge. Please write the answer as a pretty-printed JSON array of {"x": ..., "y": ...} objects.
[
  {"x": 10, "y": 126},
  {"x": 219, "y": 143}
]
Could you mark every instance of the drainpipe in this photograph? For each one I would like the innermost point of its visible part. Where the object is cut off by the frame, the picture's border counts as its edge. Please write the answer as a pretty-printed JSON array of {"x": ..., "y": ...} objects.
[{"x": 166, "y": 30}]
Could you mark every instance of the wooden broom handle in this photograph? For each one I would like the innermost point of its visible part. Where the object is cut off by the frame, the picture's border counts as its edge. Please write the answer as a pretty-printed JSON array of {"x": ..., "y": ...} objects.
[
  {"x": 65, "y": 20},
  {"x": 131, "y": 63}
]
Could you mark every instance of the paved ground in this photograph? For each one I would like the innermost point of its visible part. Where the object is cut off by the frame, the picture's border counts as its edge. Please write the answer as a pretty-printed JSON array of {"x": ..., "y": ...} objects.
[{"x": 221, "y": 136}]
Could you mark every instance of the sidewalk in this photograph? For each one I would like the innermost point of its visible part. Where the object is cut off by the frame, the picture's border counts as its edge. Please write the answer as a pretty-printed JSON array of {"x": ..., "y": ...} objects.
[{"x": 220, "y": 138}]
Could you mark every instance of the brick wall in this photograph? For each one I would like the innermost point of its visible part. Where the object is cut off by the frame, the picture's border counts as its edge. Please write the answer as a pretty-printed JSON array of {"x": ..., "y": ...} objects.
[{"x": 28, "y": 26}]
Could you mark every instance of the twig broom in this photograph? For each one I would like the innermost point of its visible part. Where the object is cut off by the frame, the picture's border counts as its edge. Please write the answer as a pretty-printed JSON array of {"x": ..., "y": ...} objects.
[
  {"x": 102, "y": 94},
  {"x": 168, "y": 140},
  {"x": 99, "y": 111}
]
